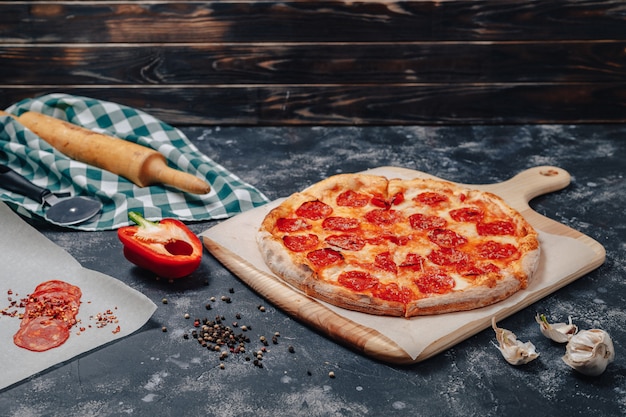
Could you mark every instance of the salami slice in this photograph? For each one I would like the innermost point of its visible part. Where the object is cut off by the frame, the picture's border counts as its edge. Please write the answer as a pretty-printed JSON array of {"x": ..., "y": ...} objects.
[
  {"x": 41, "y": 334},
  {"x": 49, "y": 314},
  {"x": 56, "y": 285}
]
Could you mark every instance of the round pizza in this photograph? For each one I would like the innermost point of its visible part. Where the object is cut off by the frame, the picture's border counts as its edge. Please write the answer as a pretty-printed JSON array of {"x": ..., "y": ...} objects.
[{"x": 399, "y": 247}]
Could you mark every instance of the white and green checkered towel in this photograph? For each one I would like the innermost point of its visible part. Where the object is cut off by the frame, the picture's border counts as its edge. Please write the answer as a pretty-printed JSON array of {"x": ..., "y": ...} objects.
[{"x": 39, "y": 162}]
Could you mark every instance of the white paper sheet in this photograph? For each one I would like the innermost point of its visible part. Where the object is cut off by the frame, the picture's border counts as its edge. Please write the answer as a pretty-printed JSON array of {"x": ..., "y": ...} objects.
[{"x": 28, "y": 258}]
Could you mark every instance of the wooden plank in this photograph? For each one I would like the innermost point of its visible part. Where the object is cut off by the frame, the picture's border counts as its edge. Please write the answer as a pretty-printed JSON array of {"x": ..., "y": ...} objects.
[
  {"x": 318, "y": 63},
  {"x": 357, "y": 105},
  {"x": 309, "y": 21},
  {"x": 324, "y": 62}
]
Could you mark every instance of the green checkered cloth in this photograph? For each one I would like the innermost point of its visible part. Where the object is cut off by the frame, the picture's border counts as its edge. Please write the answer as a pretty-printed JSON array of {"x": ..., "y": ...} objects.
[{"x": 40, "y": 163}]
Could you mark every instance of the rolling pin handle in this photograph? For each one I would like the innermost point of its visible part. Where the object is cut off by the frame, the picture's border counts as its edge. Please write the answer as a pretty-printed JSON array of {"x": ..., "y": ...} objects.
[{"x": 156, "y": 170}]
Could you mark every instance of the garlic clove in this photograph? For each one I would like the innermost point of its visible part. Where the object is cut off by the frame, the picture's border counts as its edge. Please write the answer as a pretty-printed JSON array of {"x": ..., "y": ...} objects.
[
  {"x": 589, "y": 352},
  {"x": 513, "y": 351},
  {"x": 558, "y": 332}
]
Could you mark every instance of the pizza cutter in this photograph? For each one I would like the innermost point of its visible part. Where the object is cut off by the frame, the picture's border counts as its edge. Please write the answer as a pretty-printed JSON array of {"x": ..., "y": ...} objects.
[{"x": 64, "y": 211}]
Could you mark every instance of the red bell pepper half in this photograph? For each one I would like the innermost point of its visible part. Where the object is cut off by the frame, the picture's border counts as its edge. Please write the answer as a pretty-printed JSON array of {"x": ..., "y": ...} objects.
[{"x": 167, "y": 248}]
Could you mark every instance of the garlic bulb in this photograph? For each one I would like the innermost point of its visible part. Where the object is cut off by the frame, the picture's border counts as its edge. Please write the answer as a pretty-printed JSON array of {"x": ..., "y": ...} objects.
[
  {"x": 558, "y": 332},
  {"x": 514, "y": 351},
  {"x": 589, "y": 352}
]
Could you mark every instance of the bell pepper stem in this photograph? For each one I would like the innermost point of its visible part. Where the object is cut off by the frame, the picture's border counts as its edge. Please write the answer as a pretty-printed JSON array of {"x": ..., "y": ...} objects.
[{"x": 140, "y": 220}]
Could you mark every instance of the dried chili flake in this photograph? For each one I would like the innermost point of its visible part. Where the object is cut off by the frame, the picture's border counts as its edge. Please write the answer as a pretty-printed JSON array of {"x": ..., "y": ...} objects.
[{"x": 105, "y": 318}]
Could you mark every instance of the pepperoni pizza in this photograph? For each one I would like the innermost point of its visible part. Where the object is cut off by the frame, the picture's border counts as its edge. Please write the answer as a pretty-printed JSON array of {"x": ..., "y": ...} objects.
[{"x": 399, "y": 247}]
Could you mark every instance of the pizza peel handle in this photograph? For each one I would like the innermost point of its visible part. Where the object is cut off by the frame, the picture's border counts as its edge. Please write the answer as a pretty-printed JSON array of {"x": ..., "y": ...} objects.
[{"x": 528, "y": 184}]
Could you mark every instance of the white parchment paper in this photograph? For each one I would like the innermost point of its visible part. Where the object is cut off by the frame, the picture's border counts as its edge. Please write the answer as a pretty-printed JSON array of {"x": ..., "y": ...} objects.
[{"x": 28, "y": 258}]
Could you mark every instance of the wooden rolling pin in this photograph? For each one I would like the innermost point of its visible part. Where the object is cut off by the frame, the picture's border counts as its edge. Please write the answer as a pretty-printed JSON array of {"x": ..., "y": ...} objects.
[{"x": 139, "y": 164}]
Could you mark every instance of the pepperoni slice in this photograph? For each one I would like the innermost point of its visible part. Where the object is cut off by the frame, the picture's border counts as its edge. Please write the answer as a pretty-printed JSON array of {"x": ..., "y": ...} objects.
[
  {"x": 496, "y": 250},
  {"x": 301, "y": 243},
  {"x": 324, "y": 257},
  {"x": 290, "y": 225},
  {"x": 431, "y": 198},
  {"x": 499, "y": 227},
  {"x": 41, "y": 334},
  {"x": 397, "y": 199},
  {"x": 385, "y": 262},
  {"x": 470, "y": 270},
  {"x": 426, "y": 222},
  {"x": 467, "y": 214},
  {"x": 357, "y": 280},
  {"x": 435, "y": 283},
  {"x": 379, "y": 201},
  {"x": 340, "y": 223},
  {"x": 446, "y": 238},
  {"x": 352, "y": 199},
  {"x": 447, "y": 257},
  {"x": 349, "y": 242},
  {"x": 395, "y": 239},
  {"x": 383, "y": 217},
  {"x": 314, "y": 210},
  {"x": 392, "y": 292},
  {"x": 413, "y": 261}
]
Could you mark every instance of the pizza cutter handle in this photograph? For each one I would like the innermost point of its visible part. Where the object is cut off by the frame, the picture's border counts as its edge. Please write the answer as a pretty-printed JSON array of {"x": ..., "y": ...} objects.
[{"x": 12, "y": 181}]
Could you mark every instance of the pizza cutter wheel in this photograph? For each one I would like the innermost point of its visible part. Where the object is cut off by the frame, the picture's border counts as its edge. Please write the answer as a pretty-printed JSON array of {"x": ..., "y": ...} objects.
[{"x": 63, "y": 211}]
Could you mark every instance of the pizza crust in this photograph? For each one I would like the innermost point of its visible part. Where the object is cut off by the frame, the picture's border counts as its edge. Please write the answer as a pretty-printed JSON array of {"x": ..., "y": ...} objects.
[
  {"x": 321, "y": 283},
  {"x": 347, "y": 299},
  {"x": 278, "y": 259},
  {"x": 468, "y": 299}
]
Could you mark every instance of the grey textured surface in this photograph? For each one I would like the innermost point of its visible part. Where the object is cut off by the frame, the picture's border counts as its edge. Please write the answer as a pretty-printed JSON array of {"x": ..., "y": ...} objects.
[{"x": 160, "y": 373}]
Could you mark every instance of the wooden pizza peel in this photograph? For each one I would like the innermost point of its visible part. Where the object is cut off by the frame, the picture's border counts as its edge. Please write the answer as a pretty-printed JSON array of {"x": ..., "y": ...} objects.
[{"x": 566, "y": 256}]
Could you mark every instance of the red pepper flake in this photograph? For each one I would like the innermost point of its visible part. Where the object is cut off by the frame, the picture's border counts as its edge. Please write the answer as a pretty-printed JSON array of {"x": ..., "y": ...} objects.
[
  {"x": 14, "y": 306},
  {"x": 104, "y": 319}
]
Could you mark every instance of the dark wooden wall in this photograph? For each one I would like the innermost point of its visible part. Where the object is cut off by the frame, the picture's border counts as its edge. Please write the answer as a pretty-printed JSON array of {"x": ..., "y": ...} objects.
[{"x": 325, "y": 62}]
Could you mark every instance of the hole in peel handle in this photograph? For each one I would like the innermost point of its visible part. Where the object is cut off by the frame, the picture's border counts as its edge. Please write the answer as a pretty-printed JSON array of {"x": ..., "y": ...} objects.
[
  {"x": 539, "y": 180},
  {"x": 12, "y": 181},
  {"x": 528, "y": 184}
]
